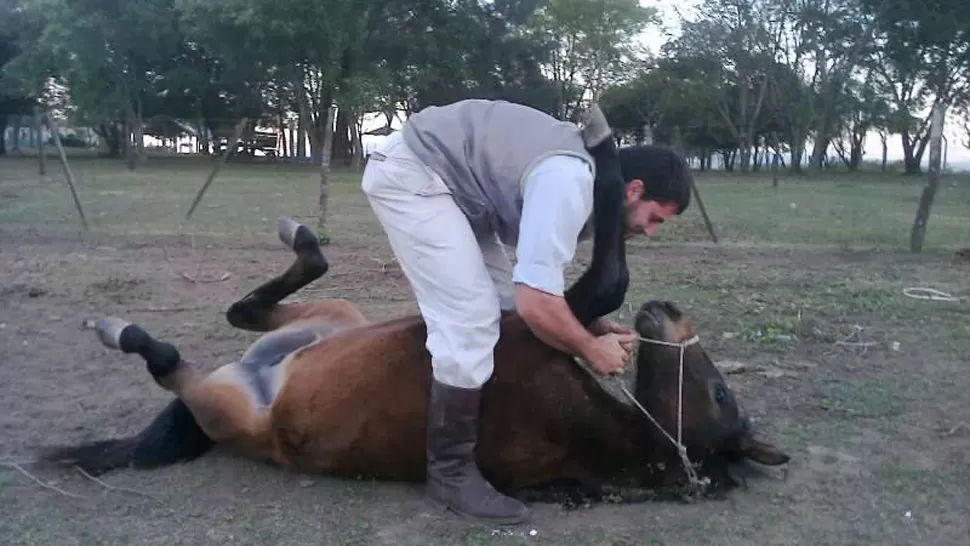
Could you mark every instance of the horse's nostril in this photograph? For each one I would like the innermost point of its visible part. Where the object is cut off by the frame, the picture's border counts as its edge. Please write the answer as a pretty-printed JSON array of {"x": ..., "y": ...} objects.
[{"x": 746, "y": 425}]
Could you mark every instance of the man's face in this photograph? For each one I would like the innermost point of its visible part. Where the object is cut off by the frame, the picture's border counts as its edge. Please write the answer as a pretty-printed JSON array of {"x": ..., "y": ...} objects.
[{"x": 644, "y": 217}]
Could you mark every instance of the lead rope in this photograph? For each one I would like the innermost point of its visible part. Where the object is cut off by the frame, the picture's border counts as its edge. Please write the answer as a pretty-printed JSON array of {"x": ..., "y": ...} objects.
[{"x": 696, "y": 485}]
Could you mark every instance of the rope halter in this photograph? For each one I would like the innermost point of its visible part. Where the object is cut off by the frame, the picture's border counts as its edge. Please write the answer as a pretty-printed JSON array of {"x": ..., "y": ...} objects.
[{"x": 695, "y": 484}]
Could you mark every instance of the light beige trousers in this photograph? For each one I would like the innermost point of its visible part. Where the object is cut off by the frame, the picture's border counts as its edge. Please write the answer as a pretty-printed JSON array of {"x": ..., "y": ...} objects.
[{"x": 461, "y": 282}]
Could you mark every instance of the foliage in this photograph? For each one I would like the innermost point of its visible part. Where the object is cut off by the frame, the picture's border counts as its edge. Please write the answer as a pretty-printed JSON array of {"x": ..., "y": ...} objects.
[
  {"x": 588, "y": 43},
  {"x": 744, "y": 80}
]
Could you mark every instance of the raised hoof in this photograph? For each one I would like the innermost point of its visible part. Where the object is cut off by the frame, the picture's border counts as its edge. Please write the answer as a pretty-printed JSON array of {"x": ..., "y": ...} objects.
[
  {"x": 297, "y": 236},
  {"x": 286, "y": 228},
  {"x": 109, "y": 331}
]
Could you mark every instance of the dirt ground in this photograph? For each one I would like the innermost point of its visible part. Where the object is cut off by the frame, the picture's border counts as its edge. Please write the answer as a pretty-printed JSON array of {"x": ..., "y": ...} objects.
[{"x": 879, "y": 431}]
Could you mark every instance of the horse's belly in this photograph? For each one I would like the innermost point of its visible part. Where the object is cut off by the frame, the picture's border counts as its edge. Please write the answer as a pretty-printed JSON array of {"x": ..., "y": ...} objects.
[
  {"x": 354, "y": 445},
  {"x": 364, "y": 421}
]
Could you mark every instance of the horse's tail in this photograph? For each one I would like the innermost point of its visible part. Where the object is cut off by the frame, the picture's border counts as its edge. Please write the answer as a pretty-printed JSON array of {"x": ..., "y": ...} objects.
[{"x": 173, "y": 436}]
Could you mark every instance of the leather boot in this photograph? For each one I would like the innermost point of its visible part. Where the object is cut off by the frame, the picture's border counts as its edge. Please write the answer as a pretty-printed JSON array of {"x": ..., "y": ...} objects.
[{"x": 453, "y": 478}]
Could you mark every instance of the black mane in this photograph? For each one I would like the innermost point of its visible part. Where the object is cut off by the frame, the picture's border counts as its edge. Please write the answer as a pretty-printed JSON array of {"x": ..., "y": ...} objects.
[{"x": 602, "y": 287}]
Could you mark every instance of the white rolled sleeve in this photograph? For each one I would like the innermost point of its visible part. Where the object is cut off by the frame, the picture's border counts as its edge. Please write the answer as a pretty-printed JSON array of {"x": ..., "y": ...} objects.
[{"x": 557, "y": 200}]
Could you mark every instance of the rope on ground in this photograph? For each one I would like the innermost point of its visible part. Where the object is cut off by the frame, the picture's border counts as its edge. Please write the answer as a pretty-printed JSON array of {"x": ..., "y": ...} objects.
[
  {"x": 40, "y": 482},
  {"x": 110, "y": 487},
  {"x": 18, "y": 466},
  {"x": 922, "y": 293}
]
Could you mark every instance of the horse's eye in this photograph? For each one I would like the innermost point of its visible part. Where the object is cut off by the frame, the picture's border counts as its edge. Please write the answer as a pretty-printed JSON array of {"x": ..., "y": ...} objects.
[{"x": 720, "y": 394}]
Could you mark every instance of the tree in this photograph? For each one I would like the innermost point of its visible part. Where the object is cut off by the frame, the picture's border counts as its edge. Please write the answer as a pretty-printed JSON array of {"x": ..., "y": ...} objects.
[
  {"x": 837, "y": 37},
  {"x": 106, "y": 53},
  {"x": 589, "y": 43},
  {"x": 735, "y": 43},
  {"x": 918, "y": 234},
  {"x": 15, "y": 100},
  {"x": 923, "y": 58},
  {"x": 862, "y": 111}
]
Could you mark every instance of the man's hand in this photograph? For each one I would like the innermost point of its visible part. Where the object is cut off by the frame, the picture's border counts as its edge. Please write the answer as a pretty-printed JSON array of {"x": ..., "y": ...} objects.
[
  {"x": 551, "y": 320},
  {"x": 608, "y": 354},
  {"x": 603, "y": 326}
]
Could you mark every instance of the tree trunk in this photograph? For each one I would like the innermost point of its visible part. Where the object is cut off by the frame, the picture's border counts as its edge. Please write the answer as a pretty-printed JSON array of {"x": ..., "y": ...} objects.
[
  {"x": 324, "y": 195},
  {"x": 775, "y": 159},
  {"x": 130, "y": 150},
  {"x": 819, "y": 152},
  {"x": 358, "y": 156},
  {"x": 301, "y": 135},
  {"x": 316, "y": 128},
  {"x": 797, "y": 153},
  {"x": 744, "y": 153},
  {"x": 16, "y": 124},
  {"x": 204, "y": 146},
  {"x": 139, "y": 131},
  {"x": 284, "y": 142},
  {"x": 4, "y": 121},
  {"x": 855, "y": 156},
  {"x": 929, "y": 192},
  {"x": 913, "y": 149},
  {"x": 39, "y": 129},
  {"x": 885, "y": 150},
  {"x": 111, "y": 135},
  {"x": 343, "y": 151}
]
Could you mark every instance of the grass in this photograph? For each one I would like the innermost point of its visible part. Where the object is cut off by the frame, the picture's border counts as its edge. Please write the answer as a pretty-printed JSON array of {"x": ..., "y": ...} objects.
[
  {"x": 874, "y": 433},
  {"x": 866, "y": 211},
  {"x": 843, "y": 209}
]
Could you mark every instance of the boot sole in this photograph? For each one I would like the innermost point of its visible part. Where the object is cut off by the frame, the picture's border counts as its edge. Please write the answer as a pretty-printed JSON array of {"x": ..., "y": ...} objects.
[{"x": 511, "y": 520}]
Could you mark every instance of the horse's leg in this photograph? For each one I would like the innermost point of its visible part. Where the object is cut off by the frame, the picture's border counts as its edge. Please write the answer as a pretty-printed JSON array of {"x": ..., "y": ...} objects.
[
  {"x": 260, "y": 310},
  {"x": 223, "y": 403}
]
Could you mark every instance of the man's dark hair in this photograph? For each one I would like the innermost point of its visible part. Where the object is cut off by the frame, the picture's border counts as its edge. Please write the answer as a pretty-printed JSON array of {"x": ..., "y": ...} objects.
[{"x": 665, "y": 175}]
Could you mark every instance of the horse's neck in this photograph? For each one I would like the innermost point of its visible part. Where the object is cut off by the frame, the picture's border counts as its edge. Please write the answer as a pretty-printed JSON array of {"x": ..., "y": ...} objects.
[{"x": 611, "y": 438}]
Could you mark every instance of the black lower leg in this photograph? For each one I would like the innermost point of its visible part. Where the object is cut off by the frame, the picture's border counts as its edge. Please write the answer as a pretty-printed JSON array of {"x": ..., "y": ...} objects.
[
  {"x": 161, "y": 358},
  {"x": 251, "y": 312}
]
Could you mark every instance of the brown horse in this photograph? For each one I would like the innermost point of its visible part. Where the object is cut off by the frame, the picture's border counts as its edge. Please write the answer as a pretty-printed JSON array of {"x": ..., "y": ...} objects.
[{"x": 325, "y": 390}]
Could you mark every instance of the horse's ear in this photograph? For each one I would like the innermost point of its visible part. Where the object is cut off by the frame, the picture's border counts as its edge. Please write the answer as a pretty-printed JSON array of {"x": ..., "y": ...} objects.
[{"x": 595, "y": 127}]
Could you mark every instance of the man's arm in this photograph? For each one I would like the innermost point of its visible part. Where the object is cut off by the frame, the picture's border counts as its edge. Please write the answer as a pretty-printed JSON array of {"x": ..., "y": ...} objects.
[
  {"x": 557, "y": 201},
  {"x": 551, "y": 320}
]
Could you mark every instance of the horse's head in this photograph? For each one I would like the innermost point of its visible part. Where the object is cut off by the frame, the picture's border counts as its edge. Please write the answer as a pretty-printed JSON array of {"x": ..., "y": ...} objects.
[{"x": 712, "y": 420}]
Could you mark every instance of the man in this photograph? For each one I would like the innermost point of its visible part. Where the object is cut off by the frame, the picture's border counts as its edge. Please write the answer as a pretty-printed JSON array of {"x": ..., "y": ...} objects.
[{"x": 449, "y": 189}]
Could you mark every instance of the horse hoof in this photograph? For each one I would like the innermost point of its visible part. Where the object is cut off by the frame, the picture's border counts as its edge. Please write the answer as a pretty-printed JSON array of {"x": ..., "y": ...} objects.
[
  {"x": 286, "y": 229},
  {"x": 109, "y": 331}
]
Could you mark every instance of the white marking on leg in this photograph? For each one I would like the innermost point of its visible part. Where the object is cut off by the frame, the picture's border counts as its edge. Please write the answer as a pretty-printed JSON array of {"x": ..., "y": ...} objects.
[
  {"x": 109, "y": 331},
  {"x": 286, "y": 229}
]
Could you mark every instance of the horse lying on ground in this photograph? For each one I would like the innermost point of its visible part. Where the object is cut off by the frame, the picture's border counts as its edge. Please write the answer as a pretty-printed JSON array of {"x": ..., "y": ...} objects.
[{"x": 325, "y": 390}]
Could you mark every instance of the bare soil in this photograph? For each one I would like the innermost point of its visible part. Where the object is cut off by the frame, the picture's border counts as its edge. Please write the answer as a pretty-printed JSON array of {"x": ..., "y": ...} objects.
[{"x": 879, "y": 432}]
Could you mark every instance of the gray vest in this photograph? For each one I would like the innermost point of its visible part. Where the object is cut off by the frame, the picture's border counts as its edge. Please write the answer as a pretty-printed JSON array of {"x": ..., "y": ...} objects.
[{"x": 484, "y": 149}]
